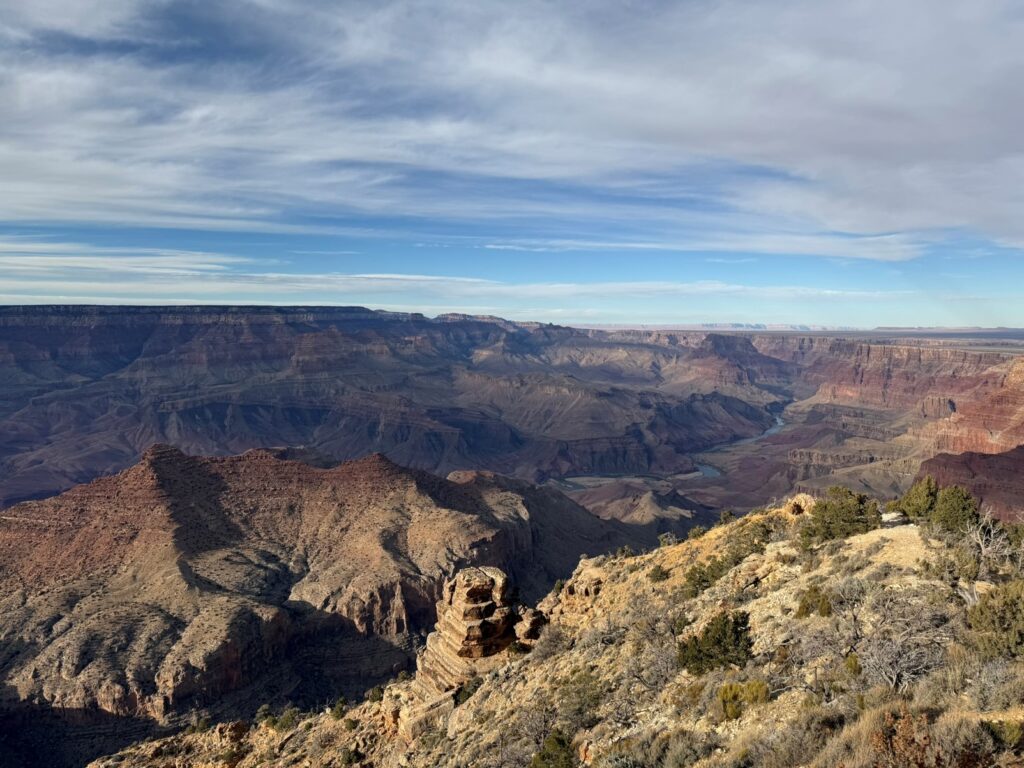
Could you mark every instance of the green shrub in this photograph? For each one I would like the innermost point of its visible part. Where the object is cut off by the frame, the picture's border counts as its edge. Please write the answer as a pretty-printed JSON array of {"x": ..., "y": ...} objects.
[
  {"x": 840, "y": 514},
  {"x": 955, "y": 509},
  {"x": 263, "y": 713},
  {"x": 375, "y": 694},
  {"x": 349, "y": 756},
  {"x": 733, "y": 696},
  {"x": 680, "y": 623},
  {"x": 287, "y": 720},
  {"x": 351, "y": 724},
  {"x": 339, "y": 708},
  {"x": 555, "y": 752},
  {"x": 578, "y": 700},
  {"x": 726, "y": 516},
  {"x": 697, "y": 579},
  {"x": 199, "y": 724},
  {"x": 467, "y": 689},
  {"x": 812, "y": 601},
  {"x": 696, "y": 532},
  {"x": 657, "y": 573},
  {"x": 667, "y": 539},
  {"x": 730, "y": 699},
  {"x": 724, "y": 641},
  {"x": 1008, "y": 734},
  {"x": 919, "y": 502},
  {"x": 852, "y": 665},
  {"x": 751, "y": 537},
  {"x": 997, "y": 621},
  {"x": 231, "y": 756},
  {"x": 755, "y": 692}
]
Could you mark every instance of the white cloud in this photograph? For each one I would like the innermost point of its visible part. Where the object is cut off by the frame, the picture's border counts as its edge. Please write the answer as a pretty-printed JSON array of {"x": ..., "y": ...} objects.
[
  {"x": 34, "y": 269},
  {"x": 723, "y": 125}
]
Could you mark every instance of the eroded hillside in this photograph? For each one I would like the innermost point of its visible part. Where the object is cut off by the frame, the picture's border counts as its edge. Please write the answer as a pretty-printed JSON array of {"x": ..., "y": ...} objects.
[
  {"x": 799, "y": 636},
  {"x": 188, "y": 583}
]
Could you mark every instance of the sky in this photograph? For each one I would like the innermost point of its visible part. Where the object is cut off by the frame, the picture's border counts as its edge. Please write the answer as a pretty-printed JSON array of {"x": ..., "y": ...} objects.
[{"x": 852, "y": 164}]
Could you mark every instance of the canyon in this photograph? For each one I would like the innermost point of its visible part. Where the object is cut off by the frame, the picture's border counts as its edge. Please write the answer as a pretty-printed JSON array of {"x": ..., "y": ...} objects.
[
  {"x": 617, "y": 419},
  {"x": 207, "y": 508}
]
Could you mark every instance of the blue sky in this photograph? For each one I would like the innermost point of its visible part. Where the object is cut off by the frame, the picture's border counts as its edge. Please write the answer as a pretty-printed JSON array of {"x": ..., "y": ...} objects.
[{"x": 638, "y": 162}]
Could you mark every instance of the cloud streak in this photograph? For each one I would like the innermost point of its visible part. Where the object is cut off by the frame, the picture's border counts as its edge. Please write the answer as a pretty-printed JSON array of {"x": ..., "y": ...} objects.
[
  {"x": 38, "y": 269},
  {"x": 866, "y": 131}
]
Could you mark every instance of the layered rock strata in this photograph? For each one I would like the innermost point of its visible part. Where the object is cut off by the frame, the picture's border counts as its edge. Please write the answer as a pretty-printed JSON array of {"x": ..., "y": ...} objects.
[
  {"x": 477, "y": 620},
  {"x": 85, "y": 390}
]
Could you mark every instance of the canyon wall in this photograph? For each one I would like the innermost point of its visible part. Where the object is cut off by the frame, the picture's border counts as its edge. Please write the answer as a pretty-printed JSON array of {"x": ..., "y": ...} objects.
[{"x": 87, "y": 389}]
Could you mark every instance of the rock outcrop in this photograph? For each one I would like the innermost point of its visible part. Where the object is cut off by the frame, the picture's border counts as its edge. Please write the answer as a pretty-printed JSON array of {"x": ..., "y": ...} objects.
[
  {"x": 477, "y": 620},
  {"x": 992, "y": 421}
]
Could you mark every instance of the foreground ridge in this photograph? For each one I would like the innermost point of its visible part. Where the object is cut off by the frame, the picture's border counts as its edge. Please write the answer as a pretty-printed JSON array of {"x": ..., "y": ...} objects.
[{"x": 776, "y": 640}]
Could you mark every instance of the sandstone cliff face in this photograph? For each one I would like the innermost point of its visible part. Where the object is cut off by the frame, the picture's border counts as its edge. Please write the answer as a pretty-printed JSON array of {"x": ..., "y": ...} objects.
[
  {"x": 897, "y": 377},
  {"x": 186, "y": 582},
  {"x": 989, "y": 422},
  {"x": 477, "y": 620}
]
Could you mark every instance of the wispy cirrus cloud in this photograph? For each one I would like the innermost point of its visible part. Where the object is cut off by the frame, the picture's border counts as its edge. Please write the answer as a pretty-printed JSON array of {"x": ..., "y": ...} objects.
[
  {"x": 862, "y": 131},
  {"x": 38, "y": 271},
  {"x": 32, "y": 269},
  {"x": 793, "y": 161}
]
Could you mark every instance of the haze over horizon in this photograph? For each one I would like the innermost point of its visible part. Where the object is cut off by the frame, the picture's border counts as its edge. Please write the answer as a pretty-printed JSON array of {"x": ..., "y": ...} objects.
[{"x": 647, "y": 163}]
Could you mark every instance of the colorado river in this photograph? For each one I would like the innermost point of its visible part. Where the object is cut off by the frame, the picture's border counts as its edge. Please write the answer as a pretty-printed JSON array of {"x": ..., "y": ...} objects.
[{"x": 708, "y": 470}]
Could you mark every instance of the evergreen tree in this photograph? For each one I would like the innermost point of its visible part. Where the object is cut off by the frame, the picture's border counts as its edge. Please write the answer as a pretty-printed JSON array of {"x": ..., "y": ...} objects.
[
  {"x": 840, "y": 514},
  {"x": 724, "y": 641},
  {"x": 919, "y": 502},
  {"x": 955, "y": 509},
  {"x": 998, "y": 621},
  {"x": 555, "y": 752}
]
